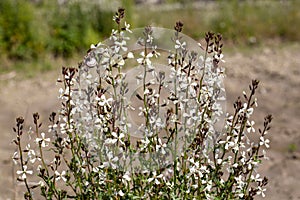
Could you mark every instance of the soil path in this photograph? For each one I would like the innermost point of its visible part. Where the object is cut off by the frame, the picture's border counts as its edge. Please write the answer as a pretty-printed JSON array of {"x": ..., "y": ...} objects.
[{"x": 278, "y": 69}]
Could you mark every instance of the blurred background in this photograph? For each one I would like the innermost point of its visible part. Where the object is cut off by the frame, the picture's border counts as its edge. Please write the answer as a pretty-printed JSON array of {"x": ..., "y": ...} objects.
[
  {"x": 31, "y": 30},
  {"x": 261, "y": 40}
]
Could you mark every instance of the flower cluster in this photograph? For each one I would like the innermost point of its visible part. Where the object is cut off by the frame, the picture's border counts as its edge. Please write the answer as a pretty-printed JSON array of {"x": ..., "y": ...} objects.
[{"x": 159, "y": 140}]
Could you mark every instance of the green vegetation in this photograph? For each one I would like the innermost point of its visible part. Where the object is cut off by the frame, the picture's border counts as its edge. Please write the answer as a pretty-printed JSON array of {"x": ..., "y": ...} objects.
[
  {"x": 292, "y": 147},
  {"x": 240, "y": 22},
  {"x": 18, "y": 38},
  {"x": 248, "y": 22},
  {"x": 30, "y": 31}
]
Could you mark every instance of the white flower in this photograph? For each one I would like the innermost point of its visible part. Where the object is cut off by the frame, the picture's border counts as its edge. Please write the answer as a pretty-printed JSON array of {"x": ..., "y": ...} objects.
[
  {"x": 113, "y": 35},
  {"x": 239, "y": 181},
  {"x": 43, "y": 141},
  {"x": 250, "y": 127},
  {"x": 130, "y": 55},
  {"x": 52, "y": 128},
  {"x": 121, "y": 193},
  {"x": 261, "y": 191},
  {"x": 264, "y": 141},
  {"x": 145, "y": 142},
  {"x": 255, "y": 102},
  {"x": 60, "y": 176},
  {"x": 219, "y": 161},
  {"x": 41, "y": 183},
  {"x": 94, "y": 46},
  {"x": 121, "y": 62},
  {"x": 145, "y": 59},
  {"x": 161, "y": 146},
  {"x": 126, "y": 177},
  {"x": 256, "y": 178},
  {"x": 179, "y": 45},
  {"x": 208, "y": 186},
  {"x": 156, "y": 53},
  {"x": 24, "y": 172},
  {"x": 111, "y": 160},
  {"x": 121, "y": 45},
  {"x": 219, "y": 57},
  {"x": 241, "y": 195},
  {"x": 227, "y": 143},
  {"x": 118, "y": 138},
  {"x": 15, "y": 158},
  {"x": 127, "y": 27},
  {"x": 249, "y": 112},
  {"x": 102, "y": 101},
  {"x": 155, "y": 178},
  {"x": 149, "y": 39},
  {"x": 32, "y": 156}
]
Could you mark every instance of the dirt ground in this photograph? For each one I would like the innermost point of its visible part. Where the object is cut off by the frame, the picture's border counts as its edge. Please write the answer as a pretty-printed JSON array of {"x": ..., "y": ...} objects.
[{"x": 276, "y": 66}]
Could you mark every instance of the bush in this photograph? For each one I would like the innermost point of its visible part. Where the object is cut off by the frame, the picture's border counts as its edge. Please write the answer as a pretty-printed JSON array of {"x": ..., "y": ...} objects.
[
  {"x": 176, "y": 151},
  {"x": 68, "y": 27},
  {"x": 75, "y": 25},
  {"x": 19, "y": 36},
  {"x": 28, "y": 30}
]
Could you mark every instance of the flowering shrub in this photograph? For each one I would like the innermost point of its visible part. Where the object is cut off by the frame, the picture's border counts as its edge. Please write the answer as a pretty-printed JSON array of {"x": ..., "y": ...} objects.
[{"x": 152, "y": 132}]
